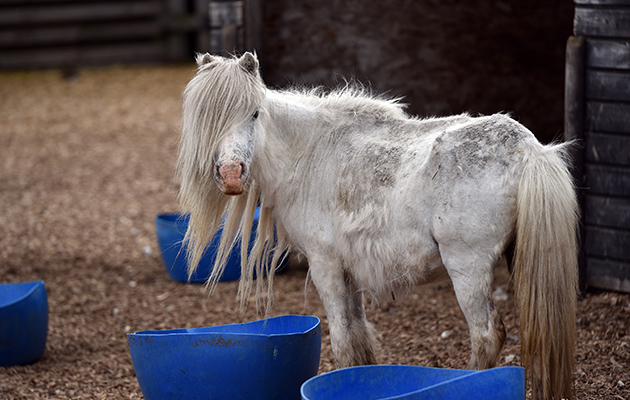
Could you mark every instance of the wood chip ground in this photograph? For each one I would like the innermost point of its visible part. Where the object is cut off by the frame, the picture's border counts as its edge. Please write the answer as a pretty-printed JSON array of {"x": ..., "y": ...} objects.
[{"x": 85, "y": 165}]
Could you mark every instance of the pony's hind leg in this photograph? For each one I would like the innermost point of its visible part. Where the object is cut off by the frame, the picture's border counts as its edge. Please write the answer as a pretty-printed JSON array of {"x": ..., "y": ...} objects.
[
  {"x": 472, "y": 276},
  {"x": 351, "y": 335}
]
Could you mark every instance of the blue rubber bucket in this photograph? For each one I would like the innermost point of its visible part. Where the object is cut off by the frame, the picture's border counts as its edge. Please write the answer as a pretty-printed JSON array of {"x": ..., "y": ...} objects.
[
  {"x": 265, "y": 359},
  {"x": 398, "y": 382},
  {"x": 170, "y": 230},
  {"x": 23, "y": 322}
]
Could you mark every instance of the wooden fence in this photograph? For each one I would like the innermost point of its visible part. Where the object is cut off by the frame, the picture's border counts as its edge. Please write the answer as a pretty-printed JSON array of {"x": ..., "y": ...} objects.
[
  {"x": 597, "y": 104},
  {"x": 65, "y": 33}
]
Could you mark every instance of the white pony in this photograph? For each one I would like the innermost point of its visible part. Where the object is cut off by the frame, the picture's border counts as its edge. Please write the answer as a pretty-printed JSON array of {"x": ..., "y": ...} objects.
[{"x": 379, "y": 201}]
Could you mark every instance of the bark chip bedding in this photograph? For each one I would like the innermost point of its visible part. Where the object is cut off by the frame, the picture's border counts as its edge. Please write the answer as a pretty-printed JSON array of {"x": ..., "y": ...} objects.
[{"x": 86, "y": 165}]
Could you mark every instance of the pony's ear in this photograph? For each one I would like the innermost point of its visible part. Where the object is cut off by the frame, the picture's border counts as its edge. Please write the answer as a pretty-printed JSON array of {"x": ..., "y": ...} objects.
[
  {"x": 249, "y": 62},
  {"x": 203, "y": 59}
]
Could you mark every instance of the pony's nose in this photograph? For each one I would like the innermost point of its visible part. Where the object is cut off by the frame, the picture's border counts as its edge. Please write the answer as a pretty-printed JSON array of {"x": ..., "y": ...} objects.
[{"x": 231, "y": 177}]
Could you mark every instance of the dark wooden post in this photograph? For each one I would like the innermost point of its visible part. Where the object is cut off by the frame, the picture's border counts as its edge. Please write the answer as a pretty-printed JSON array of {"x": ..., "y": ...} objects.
[
  {"x": 175, "y": 38},
  {"x": 202, "y": 35},
  {"x": 254, "y": 27},
  {"x": 226, "y": 27},
  {"x": 574, "y": 124}
]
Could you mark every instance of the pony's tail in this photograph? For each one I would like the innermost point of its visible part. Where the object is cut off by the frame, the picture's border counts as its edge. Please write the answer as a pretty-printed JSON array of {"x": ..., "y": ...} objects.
[{"x": 546, "y": 272}]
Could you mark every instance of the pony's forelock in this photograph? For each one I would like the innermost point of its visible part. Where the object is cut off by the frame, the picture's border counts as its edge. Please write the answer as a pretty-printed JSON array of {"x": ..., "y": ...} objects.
[
  {"x": 222, "y": 96},
  {"x": 218, "y": 98}
]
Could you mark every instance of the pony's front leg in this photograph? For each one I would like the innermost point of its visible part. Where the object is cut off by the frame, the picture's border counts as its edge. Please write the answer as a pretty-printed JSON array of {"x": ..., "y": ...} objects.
[{"x": 351, "y": 335}]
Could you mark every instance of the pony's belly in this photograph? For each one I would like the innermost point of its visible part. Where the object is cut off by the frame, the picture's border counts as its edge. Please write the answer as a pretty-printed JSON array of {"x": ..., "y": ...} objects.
[{"x": 406, "y": 265}]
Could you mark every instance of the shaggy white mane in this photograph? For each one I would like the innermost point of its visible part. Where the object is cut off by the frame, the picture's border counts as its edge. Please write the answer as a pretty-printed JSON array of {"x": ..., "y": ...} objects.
[{"x": 352, "y": 98}]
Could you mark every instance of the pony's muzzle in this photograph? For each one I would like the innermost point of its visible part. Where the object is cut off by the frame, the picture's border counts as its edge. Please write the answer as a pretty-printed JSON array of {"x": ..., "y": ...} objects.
[{"x": 232, "y": 177}]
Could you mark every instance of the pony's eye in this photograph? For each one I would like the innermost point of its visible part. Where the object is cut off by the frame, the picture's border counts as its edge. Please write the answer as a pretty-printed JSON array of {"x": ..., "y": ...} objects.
[{"x": 255, "y": 114}]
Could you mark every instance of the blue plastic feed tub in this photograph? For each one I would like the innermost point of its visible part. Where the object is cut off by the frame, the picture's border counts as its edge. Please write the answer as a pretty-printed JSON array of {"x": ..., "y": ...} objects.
[
  {"x": 264, "y": 359},
  {"x": 170, "y": 230},
  {"x": 398, "y": 382},
  {"x": 23, "y": 322}
]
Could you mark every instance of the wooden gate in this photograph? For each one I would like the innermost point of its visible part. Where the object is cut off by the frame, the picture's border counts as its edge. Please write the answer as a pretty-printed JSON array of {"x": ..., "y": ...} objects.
[
  {"x": 597, "y": 111},
  {"x": 73, "y": 33}
]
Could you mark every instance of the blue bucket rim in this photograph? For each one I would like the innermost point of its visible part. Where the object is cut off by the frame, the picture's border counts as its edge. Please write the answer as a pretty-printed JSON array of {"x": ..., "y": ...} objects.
[
  {"x": 181, "y": 219},
  {"x": 170, "y": 218},
  {"x": 198, "y": 331},
  {"x": 35, "y": 286},
  {"x": 473, "y": 373}
]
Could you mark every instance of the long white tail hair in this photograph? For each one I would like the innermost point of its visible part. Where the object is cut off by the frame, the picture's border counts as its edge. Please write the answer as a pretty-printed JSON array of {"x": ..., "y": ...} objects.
[{"x": 545, "y": 271}]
